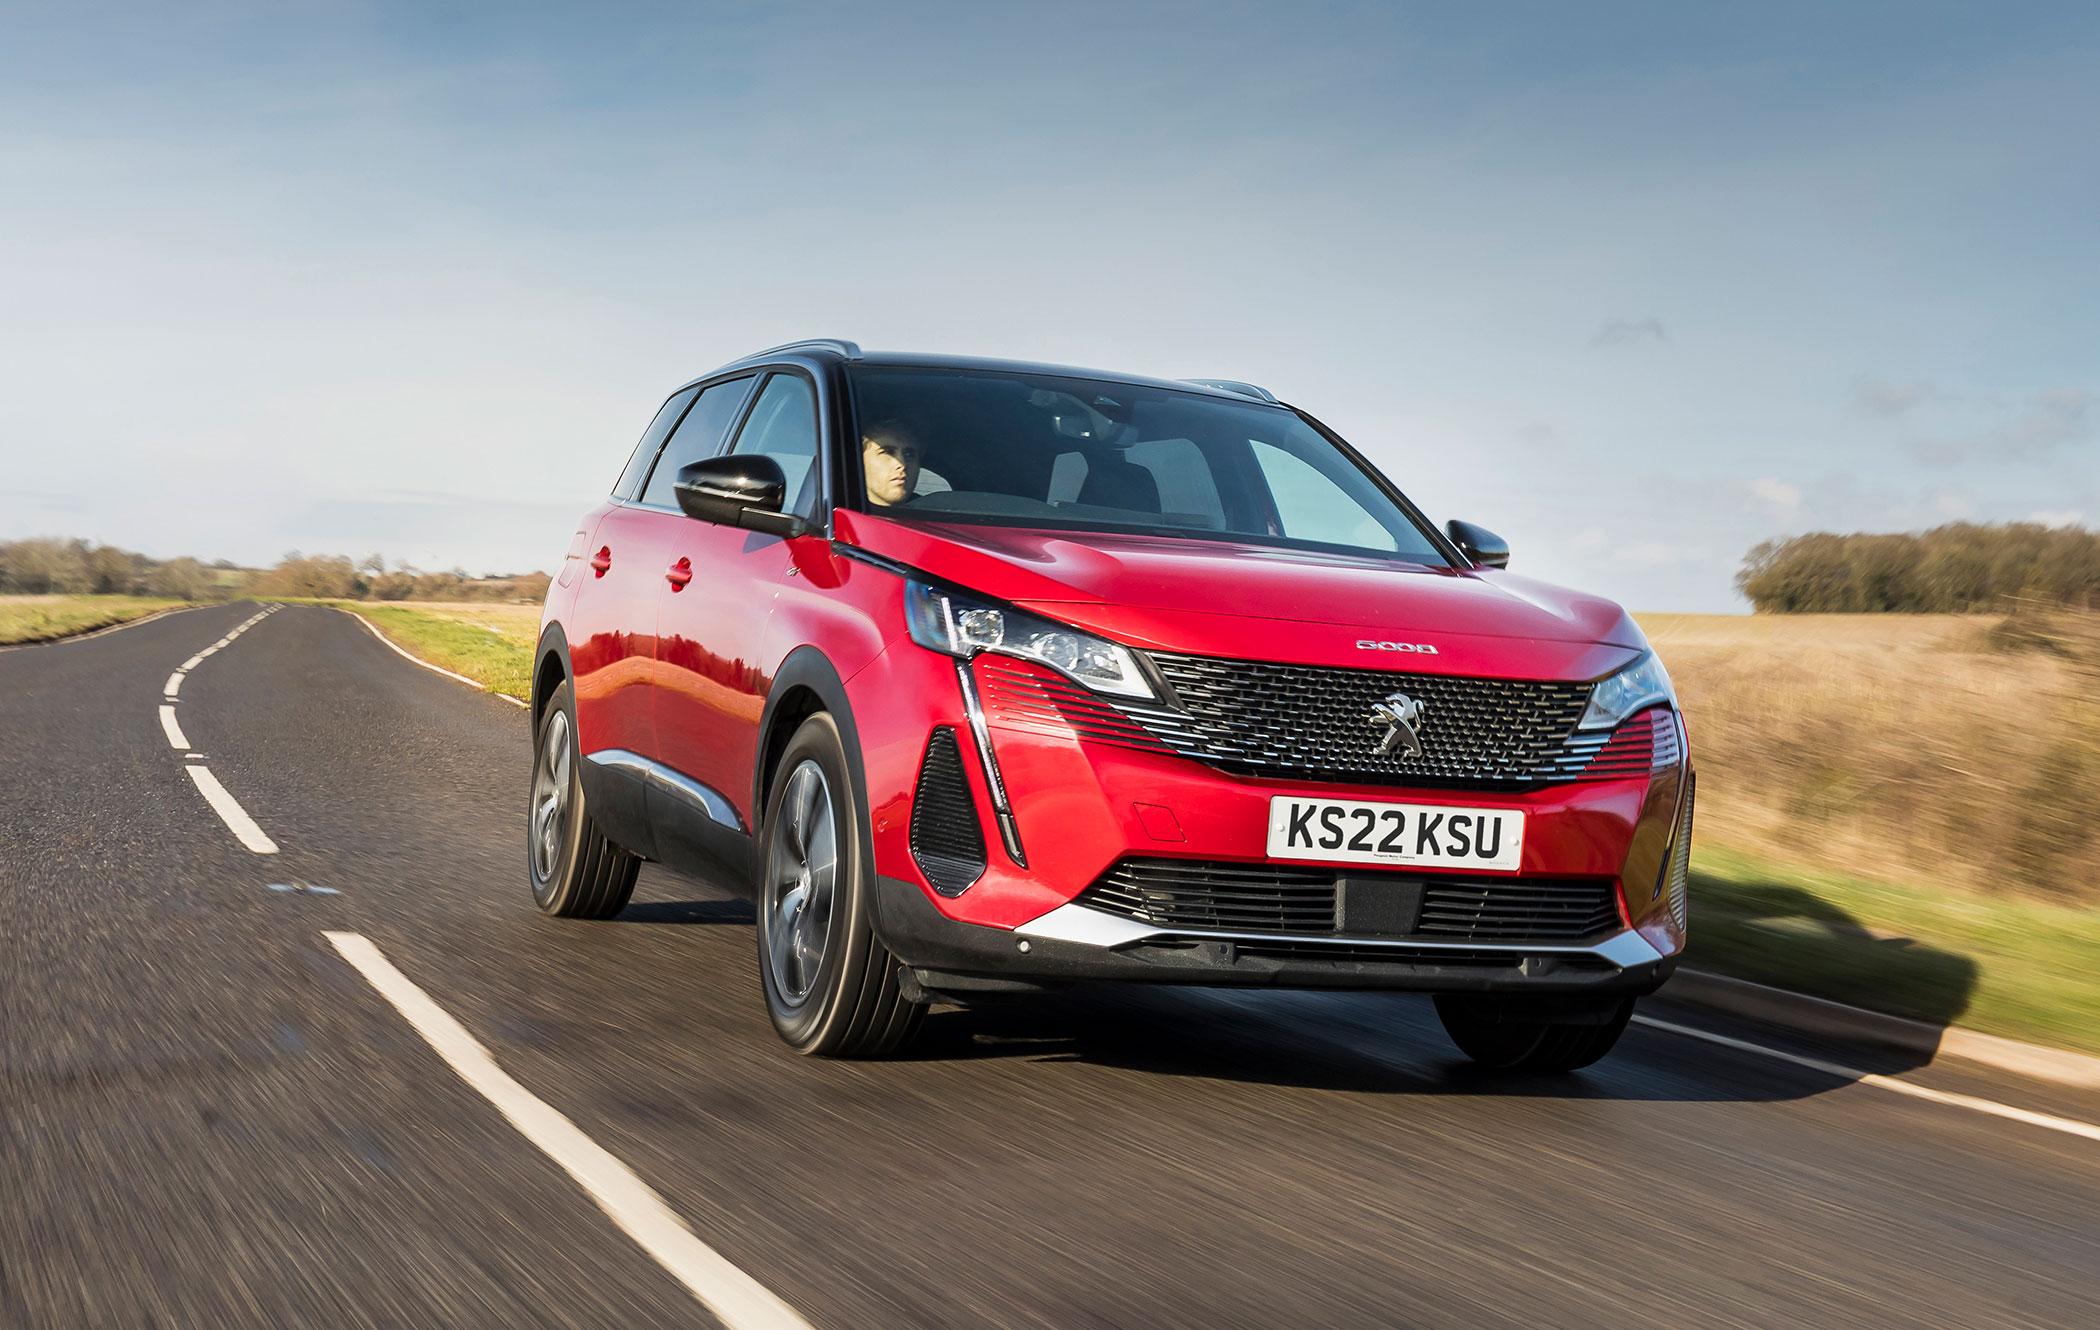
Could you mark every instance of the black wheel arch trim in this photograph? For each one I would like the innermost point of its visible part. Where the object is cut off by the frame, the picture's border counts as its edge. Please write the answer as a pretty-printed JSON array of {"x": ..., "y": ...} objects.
[{"x": 808, "y": 667}]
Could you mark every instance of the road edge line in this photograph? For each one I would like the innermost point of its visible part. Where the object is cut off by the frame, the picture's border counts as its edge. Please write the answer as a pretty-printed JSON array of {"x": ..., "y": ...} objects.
[
  {"x": 1950, "y": 1098},
  {"x": 414, "y": 659},
  {"x": 1835, "y": 1020},
  {"x": 634, "y": 1207}
]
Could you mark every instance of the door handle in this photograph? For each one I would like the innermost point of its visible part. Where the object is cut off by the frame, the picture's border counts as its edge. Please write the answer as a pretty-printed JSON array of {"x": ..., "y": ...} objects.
[
  {"x": 602, "y": 560},
  {"x": 678, "y": 574}
]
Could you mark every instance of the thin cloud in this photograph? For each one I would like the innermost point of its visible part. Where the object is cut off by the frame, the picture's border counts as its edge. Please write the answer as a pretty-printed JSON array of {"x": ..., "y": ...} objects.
[
  {"x": 2056, "y": 418},
  {"x": 1630, "y": 332},
  {"x": 1889, "y": 401}
]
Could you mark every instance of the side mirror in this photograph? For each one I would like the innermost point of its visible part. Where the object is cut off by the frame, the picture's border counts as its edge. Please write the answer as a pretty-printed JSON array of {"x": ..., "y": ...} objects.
[
  {"x": 740, "y": 489},
  {"x": 1479, "y": 544}
]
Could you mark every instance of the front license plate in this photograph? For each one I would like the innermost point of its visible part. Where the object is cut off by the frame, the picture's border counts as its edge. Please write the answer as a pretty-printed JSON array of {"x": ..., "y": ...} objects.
[{"x": 1349, "y": 831}]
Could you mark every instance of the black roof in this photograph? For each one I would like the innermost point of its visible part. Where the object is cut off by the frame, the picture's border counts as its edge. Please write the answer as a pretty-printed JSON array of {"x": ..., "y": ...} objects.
[{"x": 826, "y": 349}]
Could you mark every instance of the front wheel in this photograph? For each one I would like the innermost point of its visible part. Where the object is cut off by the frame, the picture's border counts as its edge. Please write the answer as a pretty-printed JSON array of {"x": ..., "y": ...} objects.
[
  {"x": 1494, "y": 1035},
  {"x": 831, "y": 986},
  {"x": 576, "y": 872}
]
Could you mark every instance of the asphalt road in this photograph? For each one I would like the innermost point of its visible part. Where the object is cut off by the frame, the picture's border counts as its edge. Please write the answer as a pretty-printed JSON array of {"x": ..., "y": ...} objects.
[{"x": 208, "y": 1117}]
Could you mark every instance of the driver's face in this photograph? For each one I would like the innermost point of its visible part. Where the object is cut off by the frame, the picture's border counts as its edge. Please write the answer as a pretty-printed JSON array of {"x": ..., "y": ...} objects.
[{"x": 892, "y": 468}]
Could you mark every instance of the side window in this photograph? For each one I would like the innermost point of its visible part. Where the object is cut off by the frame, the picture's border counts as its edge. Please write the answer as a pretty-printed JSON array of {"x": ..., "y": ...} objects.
[
  {"x": 652, "y": 439},
  {"x": 700, "y": 436},
  {"x": 783, "y": 426},
  {"x": 1312, "y": 507}
]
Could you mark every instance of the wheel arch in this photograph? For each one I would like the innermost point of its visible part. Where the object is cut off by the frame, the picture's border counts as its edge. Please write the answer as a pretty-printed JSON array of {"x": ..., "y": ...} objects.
[
  {"x": 550, "y": 668},
  {"x": 807, "y": 683}
]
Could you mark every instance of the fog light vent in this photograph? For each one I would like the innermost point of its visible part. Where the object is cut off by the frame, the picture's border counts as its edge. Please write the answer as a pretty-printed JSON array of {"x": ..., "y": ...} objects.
[
  {"x": 945, "y": 837},
  {"x": 1681, "y": 862}
]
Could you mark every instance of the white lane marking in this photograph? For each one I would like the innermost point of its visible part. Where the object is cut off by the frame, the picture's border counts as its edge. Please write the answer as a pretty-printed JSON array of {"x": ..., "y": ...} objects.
[
  {"x": 734, "y": 1297},
  {"x": 173, "y": 685},
  {"x": 395, "y": 647},
  {"x": 230, "y": 811},
  {"x": 2069, "y": 1126},
  {"x": 171, "y": 729},
  {"x": 192, "y": 663}
]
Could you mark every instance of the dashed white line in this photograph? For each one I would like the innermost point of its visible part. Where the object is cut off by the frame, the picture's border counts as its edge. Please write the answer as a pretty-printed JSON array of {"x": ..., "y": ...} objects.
[
  {"x": 736, "y": 1299},
  {"x": 173, "y": 685},
  {"x": 2069, "y": 1126},
  {"x": 230, "y": 811},
  {"x": 171, "y": 729}
]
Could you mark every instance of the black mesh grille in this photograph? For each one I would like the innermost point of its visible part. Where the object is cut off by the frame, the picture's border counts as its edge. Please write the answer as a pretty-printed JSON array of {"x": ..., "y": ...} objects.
[
  {"x": 1263, "y": 718},
  {"x": 945, "y": 837},
  {"x": 1291, "y": 898},
  {"x": 1464, "y": 909}
]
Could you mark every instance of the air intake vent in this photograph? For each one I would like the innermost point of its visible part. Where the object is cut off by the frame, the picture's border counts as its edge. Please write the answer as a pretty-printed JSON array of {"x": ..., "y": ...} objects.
[
  {"x": 945, "y": 837},
  {"x": 1679, "y": 884}
]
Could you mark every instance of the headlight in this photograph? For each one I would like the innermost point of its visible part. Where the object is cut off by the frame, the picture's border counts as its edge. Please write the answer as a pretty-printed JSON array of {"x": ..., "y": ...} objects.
[
  {"x": 1641, "y": 684},
  {"x": 962, "y": 625}
]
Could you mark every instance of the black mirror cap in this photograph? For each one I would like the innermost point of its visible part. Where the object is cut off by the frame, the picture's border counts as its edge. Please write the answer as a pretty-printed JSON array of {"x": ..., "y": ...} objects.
[
  {"x": 1479, "y": 544},
  {"x": 741, "y": 489}
]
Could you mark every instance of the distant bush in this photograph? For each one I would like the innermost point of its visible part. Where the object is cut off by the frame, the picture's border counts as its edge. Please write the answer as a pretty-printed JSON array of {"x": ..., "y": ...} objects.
[
  {"x": 1951, "y": 569},
  {"x": 49, "y": 565}
]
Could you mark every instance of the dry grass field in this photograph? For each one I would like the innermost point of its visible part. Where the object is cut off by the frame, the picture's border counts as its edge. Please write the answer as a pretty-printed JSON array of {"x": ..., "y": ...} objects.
[{"x": 1942, "y": 750}]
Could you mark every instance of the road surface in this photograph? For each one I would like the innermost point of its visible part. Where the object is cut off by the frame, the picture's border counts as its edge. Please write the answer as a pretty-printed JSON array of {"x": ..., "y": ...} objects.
[{"x": 210, "y": 1116}]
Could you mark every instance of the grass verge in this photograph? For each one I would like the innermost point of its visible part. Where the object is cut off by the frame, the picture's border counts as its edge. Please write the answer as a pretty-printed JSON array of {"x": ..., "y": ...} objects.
[
  {"x": 496, "y": 652},
  {"x": 2023, "y": 969},
  {"x": 45, "y": 618}
]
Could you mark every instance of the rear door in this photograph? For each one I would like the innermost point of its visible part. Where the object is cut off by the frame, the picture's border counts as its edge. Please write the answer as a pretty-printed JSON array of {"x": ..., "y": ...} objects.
[
  {"x": 711, "y": 683},
  {"x": 611, "y": 625}
]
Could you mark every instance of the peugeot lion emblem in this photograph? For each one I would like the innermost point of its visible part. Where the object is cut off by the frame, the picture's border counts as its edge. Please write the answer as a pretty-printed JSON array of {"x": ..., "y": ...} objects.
[{"x": 1402, "y": 717}]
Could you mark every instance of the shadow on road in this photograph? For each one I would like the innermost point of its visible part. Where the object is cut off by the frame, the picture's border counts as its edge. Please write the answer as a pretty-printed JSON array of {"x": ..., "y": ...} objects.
[
  {"x": 1391, "y": 1043},
  {"x": 1772, "y": 932}
]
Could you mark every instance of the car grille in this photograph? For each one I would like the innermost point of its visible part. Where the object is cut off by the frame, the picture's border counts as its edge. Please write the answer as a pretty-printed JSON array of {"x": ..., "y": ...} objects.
[
  {"x": 1214, "y": 896},
  {"x": 1310, "y": 722},
  {"x": 1262, "y": 718}
]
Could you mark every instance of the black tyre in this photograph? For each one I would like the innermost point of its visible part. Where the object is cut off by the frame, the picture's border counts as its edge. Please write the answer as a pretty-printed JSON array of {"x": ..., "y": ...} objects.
[
  {"x": 830, "y": 984},
  {"x": 1486, "y": 1032},
  {"x": 576, "y": 872}
]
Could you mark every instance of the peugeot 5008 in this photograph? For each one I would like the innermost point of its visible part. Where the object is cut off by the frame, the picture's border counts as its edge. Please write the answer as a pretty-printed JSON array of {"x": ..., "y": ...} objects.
[{"x": 982, "y": 676}]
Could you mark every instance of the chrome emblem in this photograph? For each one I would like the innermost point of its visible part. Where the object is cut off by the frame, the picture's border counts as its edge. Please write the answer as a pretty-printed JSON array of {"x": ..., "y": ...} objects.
[{"x": 1402, "y": 717}]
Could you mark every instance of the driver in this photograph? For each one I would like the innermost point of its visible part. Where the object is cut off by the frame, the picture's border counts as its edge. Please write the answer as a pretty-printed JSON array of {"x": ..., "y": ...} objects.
[{"x": 890, "y": 459}]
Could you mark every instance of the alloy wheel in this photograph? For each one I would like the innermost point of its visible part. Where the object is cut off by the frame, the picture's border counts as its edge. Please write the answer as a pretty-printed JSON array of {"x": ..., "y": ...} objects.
[
  {"x": 550, "y": 796},
  {"x": 801, "y": 883}
]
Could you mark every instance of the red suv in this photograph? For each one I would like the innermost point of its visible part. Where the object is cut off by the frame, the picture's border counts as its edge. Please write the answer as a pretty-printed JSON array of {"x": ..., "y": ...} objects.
[{"x": 983, "y": 677}]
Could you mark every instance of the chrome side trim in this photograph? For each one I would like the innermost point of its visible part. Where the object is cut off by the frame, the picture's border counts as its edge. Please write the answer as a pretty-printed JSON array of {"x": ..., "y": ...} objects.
[
  {"x": 677, "y": 784},
  {"x": 1098, "y": 928},
  {"x": 1092, "y": 928},
  {"x": 1009, "y": 831}
]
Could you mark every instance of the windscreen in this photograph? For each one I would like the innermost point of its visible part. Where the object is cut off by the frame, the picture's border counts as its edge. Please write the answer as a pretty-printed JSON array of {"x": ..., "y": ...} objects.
[{"x": 1038, "y": 450}]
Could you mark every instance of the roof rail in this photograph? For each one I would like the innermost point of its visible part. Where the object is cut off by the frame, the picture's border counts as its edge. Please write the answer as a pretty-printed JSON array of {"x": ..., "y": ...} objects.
[
  {"x": 1259, "y": 394},
  {"x": 850, "y": 350}
]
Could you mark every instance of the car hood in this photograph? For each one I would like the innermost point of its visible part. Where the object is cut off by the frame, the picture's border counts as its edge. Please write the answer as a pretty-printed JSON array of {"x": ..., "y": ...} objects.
[{"x": 1214, "y": 597}]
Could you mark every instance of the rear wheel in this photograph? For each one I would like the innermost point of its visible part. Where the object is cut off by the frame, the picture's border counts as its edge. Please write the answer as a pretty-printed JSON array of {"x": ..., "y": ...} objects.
[
  {"x": 576, "y": 872},
  {"x": 831, "y": 986},
  {"x": 1496, "y": 1035}
]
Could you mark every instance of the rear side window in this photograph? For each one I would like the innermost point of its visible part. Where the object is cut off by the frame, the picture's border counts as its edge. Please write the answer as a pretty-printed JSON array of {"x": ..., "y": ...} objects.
[
  {"x": 700, "y": 436},
  {"x": 783, "y": 426},
  {"x": 652, "y": 439}
]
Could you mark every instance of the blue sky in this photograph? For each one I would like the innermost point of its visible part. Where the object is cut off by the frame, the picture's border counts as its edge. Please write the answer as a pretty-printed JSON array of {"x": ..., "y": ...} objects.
[{"x": 1636, "y": 286}]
